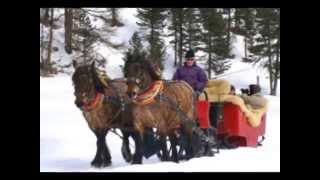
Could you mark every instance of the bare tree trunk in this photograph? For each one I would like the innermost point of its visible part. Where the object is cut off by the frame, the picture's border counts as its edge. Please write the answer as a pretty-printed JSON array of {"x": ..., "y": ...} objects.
[
  {"x": 181, "y": 37},
  {"x": 209, "y": 66},
  {"x": 190, "y": 34},
  {"x": 152, "y": 43},
  {"x": 175, "y": 45},
  {"x": 270, "y": 75},
  {"x": 229, "y": 26},
  {"x": 277, "y": 70},
  {"x": 270, "y": 67},
  {"x": 46, "y": 14},
  {"x": 48, "y": 60},
  {"x": 114, "y": 21},
  {"x": 210, "y": 58},
  {"x": 68, "y": 30},
  {"x": 41, "y": 47},
  {"x": 245, "y": 46}
]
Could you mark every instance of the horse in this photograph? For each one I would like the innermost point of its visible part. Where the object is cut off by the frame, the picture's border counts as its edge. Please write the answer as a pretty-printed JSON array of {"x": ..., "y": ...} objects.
[
  {"x": 104, "y": 105},
  {"x": 172, "y": 108}
]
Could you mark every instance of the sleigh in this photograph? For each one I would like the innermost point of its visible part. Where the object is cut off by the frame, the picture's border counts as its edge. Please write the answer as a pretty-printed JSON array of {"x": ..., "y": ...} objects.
[{"x": 235, "y": 124}]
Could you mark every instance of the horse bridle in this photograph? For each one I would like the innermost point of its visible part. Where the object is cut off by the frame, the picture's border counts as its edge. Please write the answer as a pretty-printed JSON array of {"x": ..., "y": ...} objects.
[{"x": 117, "y": 100}]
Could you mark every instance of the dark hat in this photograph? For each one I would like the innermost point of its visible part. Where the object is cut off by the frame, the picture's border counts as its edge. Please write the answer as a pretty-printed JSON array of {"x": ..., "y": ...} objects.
[{"x": 189, "y": 54}]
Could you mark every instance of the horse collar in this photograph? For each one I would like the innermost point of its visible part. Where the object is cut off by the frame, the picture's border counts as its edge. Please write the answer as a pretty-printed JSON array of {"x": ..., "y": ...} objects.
[{"x": 93, "y": 103}]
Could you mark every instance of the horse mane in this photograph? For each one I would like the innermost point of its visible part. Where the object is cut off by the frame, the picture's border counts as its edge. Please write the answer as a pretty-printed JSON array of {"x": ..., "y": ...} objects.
[
  {"x": 152, "y": 69},
  {"x": 95, "y": 73}
]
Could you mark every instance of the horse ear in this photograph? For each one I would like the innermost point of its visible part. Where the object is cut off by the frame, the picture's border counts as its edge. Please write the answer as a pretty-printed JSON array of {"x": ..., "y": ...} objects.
[{"x": 74, "y": 63}]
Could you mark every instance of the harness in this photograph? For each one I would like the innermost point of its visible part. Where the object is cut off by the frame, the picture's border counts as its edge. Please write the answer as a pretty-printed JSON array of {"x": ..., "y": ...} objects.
[
  {"x": 101, "y": 98},
  {"x": 158, "y": 96}
]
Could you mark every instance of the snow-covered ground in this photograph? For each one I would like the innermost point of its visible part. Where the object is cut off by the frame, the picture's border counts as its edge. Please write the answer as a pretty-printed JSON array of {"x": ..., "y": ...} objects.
[{"x": 67, "y": 144}]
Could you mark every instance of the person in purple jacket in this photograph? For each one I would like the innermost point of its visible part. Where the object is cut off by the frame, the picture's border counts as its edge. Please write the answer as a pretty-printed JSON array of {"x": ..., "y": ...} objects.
[
  {"x": 197, "y": 79},
  {"x": 191, "y": 73}
]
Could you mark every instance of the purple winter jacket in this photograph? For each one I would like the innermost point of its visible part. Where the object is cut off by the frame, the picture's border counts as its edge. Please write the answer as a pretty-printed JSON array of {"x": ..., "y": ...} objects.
[{"x": 193, "y": 75}]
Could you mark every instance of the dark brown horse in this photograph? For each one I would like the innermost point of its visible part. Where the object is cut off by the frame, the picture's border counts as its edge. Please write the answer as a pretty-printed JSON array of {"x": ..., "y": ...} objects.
[
  {"x": 104, "y": 105},
  {"x": 172, "y": 108}
]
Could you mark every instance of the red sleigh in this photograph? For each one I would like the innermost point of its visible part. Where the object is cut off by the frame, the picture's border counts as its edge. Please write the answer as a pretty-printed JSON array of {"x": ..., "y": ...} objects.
[{"x": 233, "y": 126}]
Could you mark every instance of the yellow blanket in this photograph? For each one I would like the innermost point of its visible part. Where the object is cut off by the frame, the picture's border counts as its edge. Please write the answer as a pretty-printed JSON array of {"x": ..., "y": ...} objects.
[{"x": 218, "y": 90}]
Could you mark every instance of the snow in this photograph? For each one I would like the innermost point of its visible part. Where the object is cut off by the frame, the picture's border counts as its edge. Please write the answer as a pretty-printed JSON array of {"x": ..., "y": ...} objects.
[{"x": 68, "y": 145}]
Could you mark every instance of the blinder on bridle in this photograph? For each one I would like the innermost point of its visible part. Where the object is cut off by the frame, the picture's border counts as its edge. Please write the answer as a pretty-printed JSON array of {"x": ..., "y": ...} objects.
[{"x": 100, "y": 84}]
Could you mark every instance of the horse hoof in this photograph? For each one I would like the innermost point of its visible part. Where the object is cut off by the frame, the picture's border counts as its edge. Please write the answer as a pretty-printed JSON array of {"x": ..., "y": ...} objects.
[
  {"x": 176, "y": 160},
  {"x": 100, "y": 164},
  {"x": 127, "y": 157},
  {"x": 136, "y": 162},
  {"x": 106, "y": 164},
  {"x": 210, "y": 154}
]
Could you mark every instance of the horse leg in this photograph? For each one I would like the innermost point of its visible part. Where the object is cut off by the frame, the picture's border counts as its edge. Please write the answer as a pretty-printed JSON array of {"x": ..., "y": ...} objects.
[
  {"x": 137, "y": 157},
  {"x": 125, "y": 149},
  {"x": 174, "y": 143},
  {"x": 163, "y": 145},
  {"x": 190, "y": 147},
  {"x": 102, "y": 157}
]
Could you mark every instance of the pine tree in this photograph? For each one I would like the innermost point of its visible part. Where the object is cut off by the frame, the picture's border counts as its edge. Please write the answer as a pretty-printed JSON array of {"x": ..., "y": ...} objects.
[
  {"x": 152, "y": 22},
  {"x": 215, "y": 40},
  {"x": 84, "y": 37},
  {"x": 135, "y": 52},
  {"x": 267, "y": 47},
  {"x": 185, "y": 26},
  {"x": 192, "y": 28},
  {"x": 238, "y": 21}
]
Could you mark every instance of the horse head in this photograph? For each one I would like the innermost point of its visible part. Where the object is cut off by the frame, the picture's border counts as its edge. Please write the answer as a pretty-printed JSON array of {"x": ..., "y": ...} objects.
[
  {"x": 87, "y": 83},
  {"x": 140, "y": 74}
]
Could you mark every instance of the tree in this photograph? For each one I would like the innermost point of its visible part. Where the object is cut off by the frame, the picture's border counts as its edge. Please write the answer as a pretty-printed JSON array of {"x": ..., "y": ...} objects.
[
  {"x": 135, "y": 51},
  {"x": 115, "y": 19},
  {"x": 192, "y": 26},
  {"x": 227, "y": 11},
  {"x": 152, "y": 22},
  {"x": 85, "y": 37},
  {"x": 68, "y": 30},
  {"x": 173, "y": 31},
  {"x": 249, "y": 30},
  {"x": 185, "y": 27},
  {"x": 180, "y": 20},
  {"x": 47, "y": 64},
  {"x": 44, "y": 16},
  {"x": 215, "y": 40},
  {"x": 238, "y": 19},
  {"x": 267, "y": 47}
]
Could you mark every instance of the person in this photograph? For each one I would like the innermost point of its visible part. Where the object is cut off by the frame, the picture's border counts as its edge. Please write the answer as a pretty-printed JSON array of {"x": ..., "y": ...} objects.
[
  {"x": 195, "y": 76},
  {"x": 255, "y": 99},
  {"x": 191, "y": 73}
]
